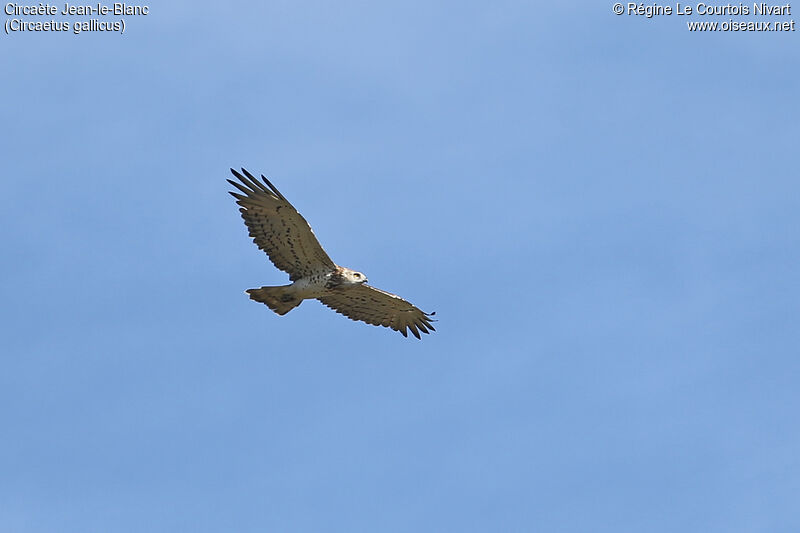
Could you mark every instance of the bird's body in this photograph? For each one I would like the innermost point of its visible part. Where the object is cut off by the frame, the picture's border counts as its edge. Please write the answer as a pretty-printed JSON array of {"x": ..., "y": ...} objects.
[
  {"x": 314, "y": 286},
  {"x": 286, "y": 237}
]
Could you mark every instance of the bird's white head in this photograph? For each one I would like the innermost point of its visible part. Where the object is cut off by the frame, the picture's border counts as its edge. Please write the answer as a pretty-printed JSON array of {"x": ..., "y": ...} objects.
[{"x": 351, "y": 277}]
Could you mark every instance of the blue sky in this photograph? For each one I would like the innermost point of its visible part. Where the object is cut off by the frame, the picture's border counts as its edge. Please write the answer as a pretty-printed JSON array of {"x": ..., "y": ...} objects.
[{"x": 602, "y": 210}]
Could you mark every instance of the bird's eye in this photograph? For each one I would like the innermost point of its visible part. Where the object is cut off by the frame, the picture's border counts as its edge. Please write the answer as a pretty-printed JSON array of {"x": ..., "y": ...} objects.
[{"x": 358, "y": 275}]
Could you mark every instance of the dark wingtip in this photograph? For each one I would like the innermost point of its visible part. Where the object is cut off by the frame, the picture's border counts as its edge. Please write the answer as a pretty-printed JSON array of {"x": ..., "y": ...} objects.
[{"x": 274, "y": 189}]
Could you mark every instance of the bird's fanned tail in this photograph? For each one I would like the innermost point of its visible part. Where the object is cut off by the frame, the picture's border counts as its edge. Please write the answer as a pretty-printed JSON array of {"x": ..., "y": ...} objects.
[{"x": 279, "y": 299}]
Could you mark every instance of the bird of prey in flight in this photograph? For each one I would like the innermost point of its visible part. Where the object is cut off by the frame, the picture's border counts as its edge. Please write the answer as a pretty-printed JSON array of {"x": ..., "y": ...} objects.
[{"x": 277, "y": 228}]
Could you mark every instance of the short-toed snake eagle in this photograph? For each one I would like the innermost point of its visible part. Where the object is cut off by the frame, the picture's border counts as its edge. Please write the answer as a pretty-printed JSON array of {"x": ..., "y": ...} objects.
[{"x": 278, "y": 229}]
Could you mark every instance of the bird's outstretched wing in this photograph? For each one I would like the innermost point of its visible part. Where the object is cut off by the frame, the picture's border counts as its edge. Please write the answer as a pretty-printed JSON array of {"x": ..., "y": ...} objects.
[
  {"x": 379, "y": 308},
  {"x": 278, "y": 229}
]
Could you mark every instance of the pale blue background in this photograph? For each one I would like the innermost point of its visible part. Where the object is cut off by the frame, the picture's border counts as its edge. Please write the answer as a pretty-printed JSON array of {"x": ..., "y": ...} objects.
[{"x": 602, "y": 210}]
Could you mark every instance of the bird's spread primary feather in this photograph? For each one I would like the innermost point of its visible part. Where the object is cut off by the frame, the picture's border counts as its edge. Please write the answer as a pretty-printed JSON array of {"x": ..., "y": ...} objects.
[{"x": 279, "y": 230}]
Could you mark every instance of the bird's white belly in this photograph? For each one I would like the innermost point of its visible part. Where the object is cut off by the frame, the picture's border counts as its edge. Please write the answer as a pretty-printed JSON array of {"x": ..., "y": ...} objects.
[{"x": 310, "y": 287}]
